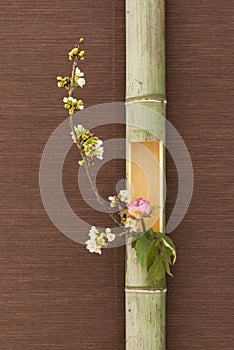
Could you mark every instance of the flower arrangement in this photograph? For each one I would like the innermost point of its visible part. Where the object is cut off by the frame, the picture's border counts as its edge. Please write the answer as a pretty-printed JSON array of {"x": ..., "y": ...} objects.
[{"x": 155, "y": 251}]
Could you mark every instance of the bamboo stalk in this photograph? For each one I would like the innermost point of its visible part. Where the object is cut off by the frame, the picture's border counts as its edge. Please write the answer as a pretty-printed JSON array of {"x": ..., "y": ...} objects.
[{"x": 145, "y": 86}]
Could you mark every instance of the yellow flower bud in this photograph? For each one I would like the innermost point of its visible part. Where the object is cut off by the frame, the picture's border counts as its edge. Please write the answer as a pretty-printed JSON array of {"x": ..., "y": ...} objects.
[{"x": 81, "y": 53}]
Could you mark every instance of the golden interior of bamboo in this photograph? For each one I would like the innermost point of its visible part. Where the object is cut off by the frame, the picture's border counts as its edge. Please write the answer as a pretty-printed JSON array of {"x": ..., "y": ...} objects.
[{"x": 145, "y": 176}]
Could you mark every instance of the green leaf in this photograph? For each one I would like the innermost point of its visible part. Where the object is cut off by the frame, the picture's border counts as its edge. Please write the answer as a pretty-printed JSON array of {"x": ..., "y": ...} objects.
[
  {"x": 167, "y": 268},
  {"x": 153, "y": 252},
  {"x": 166, "y": 238},
  {"x": 169, "y": 244},
  {"x": 134, "y": 243},
  {"x": 166, "y": 253},
  {"x": 167, "y": 261},
  {"x": 150, "y": 234},
  {"x": 142, "y": 247},
  {"x": 157, "y": 270},
  {"x": 135, "y": 238}
]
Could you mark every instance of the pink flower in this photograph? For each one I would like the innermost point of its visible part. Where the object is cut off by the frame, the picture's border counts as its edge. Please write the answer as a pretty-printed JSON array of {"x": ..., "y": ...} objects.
[{"x": 139, "y": 209}]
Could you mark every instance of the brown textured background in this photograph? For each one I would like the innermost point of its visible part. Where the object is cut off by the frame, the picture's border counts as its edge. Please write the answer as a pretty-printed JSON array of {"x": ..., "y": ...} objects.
[
  {"x": 200, "y": 70},
  {"x": 53, "y": 294}
]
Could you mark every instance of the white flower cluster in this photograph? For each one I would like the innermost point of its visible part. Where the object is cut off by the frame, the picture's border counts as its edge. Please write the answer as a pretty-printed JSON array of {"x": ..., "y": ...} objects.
[
  {"x": 79, "y": 80},
  {"x": 73, "y": 104},
  {"x": 63, "y": 82},
  {"x": 130, "y": 224},
  {"x": 120, "y": 201},
  {"x": 98, "y": 150},
  {"x": 122, "y": 196},
  {"x": 73, "y": 100},
  {"x": 99, "y": 240},
  {"x": 91, "y": 145},
  {"x": 79, "y": 129}
]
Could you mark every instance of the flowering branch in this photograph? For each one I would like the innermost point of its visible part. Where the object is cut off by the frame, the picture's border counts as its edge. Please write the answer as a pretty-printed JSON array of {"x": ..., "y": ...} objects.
[
  {"x": 88, "y": 145},
  {"x": 154, "y": 250}
]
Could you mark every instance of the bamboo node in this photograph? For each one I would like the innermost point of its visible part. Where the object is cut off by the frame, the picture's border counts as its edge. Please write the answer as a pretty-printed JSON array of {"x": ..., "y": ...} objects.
[
  {"x": 145, "y": 290},
  {"x": 152, "y": 100}
]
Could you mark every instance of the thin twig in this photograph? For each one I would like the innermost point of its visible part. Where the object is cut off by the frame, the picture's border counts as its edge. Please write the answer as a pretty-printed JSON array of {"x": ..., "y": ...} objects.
[{"x": 100, "y": 200}]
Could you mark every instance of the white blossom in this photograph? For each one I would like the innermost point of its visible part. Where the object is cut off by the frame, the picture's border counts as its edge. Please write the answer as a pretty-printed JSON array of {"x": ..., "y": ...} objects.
[
  {"x": 124, "y": 196},
  {"x": 99, "y": 150},
  {"x": 73, "y": 136},
  {"x": 91, "y": 245},
  {"x": 78, "y": 77},
  {"x": 109, "y": 235},
  {"x": 98, "y": 239},
  {"x": 113, "y": 200},
  {"x": 81, "y": 82},
  {"x": 79, "y": 128},
  {"x": 93, "y": 232},
  {"x": 131, "y": 224},
  {"x": 79, "y": 73}
]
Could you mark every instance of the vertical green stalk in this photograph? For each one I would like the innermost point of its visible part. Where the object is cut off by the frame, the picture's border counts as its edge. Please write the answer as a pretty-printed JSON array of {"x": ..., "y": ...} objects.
[{"x": 146, "y": 87}]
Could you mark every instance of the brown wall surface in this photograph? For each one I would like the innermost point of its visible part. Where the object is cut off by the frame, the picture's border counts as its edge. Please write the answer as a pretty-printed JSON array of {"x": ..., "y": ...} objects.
[
  {"x": 200, "y": 79},
  {"x": 54, "y": 295}
]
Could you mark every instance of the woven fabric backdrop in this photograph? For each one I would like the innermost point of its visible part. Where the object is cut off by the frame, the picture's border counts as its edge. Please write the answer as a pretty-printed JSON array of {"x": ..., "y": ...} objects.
[
  {"x": 54, "y": 295},
  {"x": 200, "y": 92}
]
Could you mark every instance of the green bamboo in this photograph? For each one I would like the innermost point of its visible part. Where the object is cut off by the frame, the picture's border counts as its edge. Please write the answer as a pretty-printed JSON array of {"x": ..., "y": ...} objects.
[{"x": 145, "y": 86}]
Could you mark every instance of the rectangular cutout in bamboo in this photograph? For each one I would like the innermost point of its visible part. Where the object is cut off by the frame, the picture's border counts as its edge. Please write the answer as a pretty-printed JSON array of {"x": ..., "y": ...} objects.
[
  {"x": 144, "y": 176},
  {"x": 145, "y": 305}
]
